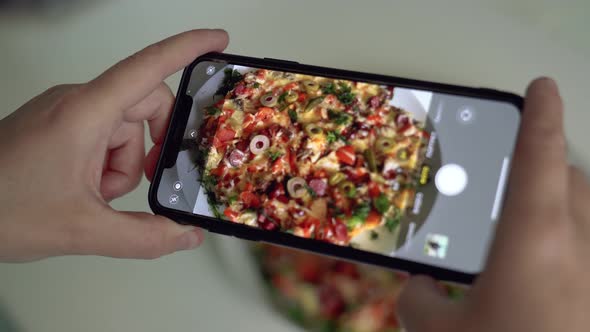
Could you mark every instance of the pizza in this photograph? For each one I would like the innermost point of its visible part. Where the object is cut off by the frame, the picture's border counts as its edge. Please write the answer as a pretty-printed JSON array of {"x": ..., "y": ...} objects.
[
  {"x": 316, "y": 157},
  {"x": 325, "y": 294}
]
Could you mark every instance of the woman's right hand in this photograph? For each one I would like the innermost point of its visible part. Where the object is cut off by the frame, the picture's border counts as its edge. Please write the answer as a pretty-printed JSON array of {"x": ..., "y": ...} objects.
[{"x": 537, "y": 273}]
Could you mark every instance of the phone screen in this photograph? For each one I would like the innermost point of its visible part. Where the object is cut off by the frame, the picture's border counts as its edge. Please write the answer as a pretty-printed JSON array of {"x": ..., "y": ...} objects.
[{"x": 401, "y": 172}]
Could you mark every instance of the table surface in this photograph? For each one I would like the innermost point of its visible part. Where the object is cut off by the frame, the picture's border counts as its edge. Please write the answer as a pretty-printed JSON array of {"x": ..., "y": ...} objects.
[{"x": 497, "y": 44}]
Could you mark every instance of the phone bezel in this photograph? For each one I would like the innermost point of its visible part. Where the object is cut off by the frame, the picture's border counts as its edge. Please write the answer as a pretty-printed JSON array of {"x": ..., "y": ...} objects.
[{"x": 285, "y": 239}]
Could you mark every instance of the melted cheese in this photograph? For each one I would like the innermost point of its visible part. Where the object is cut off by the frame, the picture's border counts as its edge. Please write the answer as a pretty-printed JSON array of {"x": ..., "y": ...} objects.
[
  {"x": 361, "y": 144},
  {"x": 368, "y": 89},
  {"x": 311, "y": 116},
  {"x": 317, "y": 146},
  {"x": 281, "y": 118},
  {"x": 213, "y": 159},
  {"x": 329, "y": 163},
  {"x": 390, "y": 164},
  {"x": 248, "y": 218},
  {"x": 236, "y": 122},
  {"x": 387, "y": 132},
  {"x": 280, "y": 210}
]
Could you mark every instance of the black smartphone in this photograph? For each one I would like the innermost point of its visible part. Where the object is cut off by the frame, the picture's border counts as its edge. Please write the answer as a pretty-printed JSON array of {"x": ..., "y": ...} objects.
[{"x": 389, "y": 171}]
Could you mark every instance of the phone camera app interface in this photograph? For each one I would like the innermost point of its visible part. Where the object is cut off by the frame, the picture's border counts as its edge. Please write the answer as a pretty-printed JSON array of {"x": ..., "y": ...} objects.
[{"x": 391, "y": 170}]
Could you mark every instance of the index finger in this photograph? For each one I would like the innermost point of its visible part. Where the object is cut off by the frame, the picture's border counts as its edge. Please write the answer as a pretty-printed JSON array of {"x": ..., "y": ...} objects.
[{"x": 132, "y": 79}]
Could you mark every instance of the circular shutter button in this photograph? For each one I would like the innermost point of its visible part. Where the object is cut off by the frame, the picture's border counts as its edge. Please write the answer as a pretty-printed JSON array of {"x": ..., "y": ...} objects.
[{"x": 451, "y": 180}]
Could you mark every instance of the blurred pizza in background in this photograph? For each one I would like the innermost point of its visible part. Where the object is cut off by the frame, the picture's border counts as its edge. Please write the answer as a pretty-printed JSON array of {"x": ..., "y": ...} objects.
[{"x": 329, "y": 295}]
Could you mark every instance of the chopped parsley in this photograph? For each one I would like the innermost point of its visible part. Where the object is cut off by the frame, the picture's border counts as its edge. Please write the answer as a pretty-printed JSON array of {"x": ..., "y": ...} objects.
[
  {"x": 354, "y": 222},
  {"x": 296, "y": 314},
  {"x": 333, "y": 136},
  {"x": 339, "y": 118},
  {"x": 293, "y": 115},
  {"x": 232, "y": 199},
  {"x": 381, "y": 203},
  {"x": 343, "y": 92},
  {"x": 282, "y": 97},
  {"x": 213, "y": 206},
  {"x": 362, "y": 211},
  {"x": 229, "y": 81},
  {"x": 282, "y": 103},
  {"x": 374, "y": 235},
  {"x": 351, "y": 193},
  {"x": 209, "y": 182},
  {"x": 329, "y": 89},
  {"x": 359, "y": 216},
  {"x": 200, "y": 157},
  {"x": 256, "y": 85},
  {"x": 393, "y": 222},
  {"x": 328, "y": 326},
  {"x": 213, "y": 110},
  {"x": 273, "y": 155},
  {"x": 311, "y": 192}
]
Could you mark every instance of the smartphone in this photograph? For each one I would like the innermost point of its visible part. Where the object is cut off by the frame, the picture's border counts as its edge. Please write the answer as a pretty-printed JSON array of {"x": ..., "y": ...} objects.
[{"x": 389, "y": 171}]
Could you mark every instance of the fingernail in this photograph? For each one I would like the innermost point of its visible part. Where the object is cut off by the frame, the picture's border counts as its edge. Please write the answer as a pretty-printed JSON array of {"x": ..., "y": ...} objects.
[
  {"x": 218, "y": 30},
  {"x": 548, "y": 82},
  {"x": 190, "y": 239}
]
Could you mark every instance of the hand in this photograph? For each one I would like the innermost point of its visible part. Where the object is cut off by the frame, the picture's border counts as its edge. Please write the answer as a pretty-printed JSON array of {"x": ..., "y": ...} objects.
[
  {"x": 70, "y": 150},
  {"x": 537, "y": 273}
]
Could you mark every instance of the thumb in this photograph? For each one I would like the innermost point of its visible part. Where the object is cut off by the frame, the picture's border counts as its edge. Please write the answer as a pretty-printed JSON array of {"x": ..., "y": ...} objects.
[
  {"x": 423, "y": 307},
  {"x": 136, "y": 235}
]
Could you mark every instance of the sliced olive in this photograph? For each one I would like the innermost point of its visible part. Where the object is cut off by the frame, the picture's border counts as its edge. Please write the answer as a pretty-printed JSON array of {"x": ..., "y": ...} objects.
[
  {"x": 268, "y": 100},
  {"x": 259, "y": 144},
  {"x": 336, "y": 178},
  {"x": 370, "y": 156},
  {"x": 297, "y": 187},
  {"x": 403, "y": 154},
  {"x": 313, "y": 130},
  {"x": 385, "y": 144},
  {"x": 313, "y": 103},
  {"x": 348, "y": 188},
  {"x": 311, "y": 86},
  {"x": 291, "y": 96}
]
